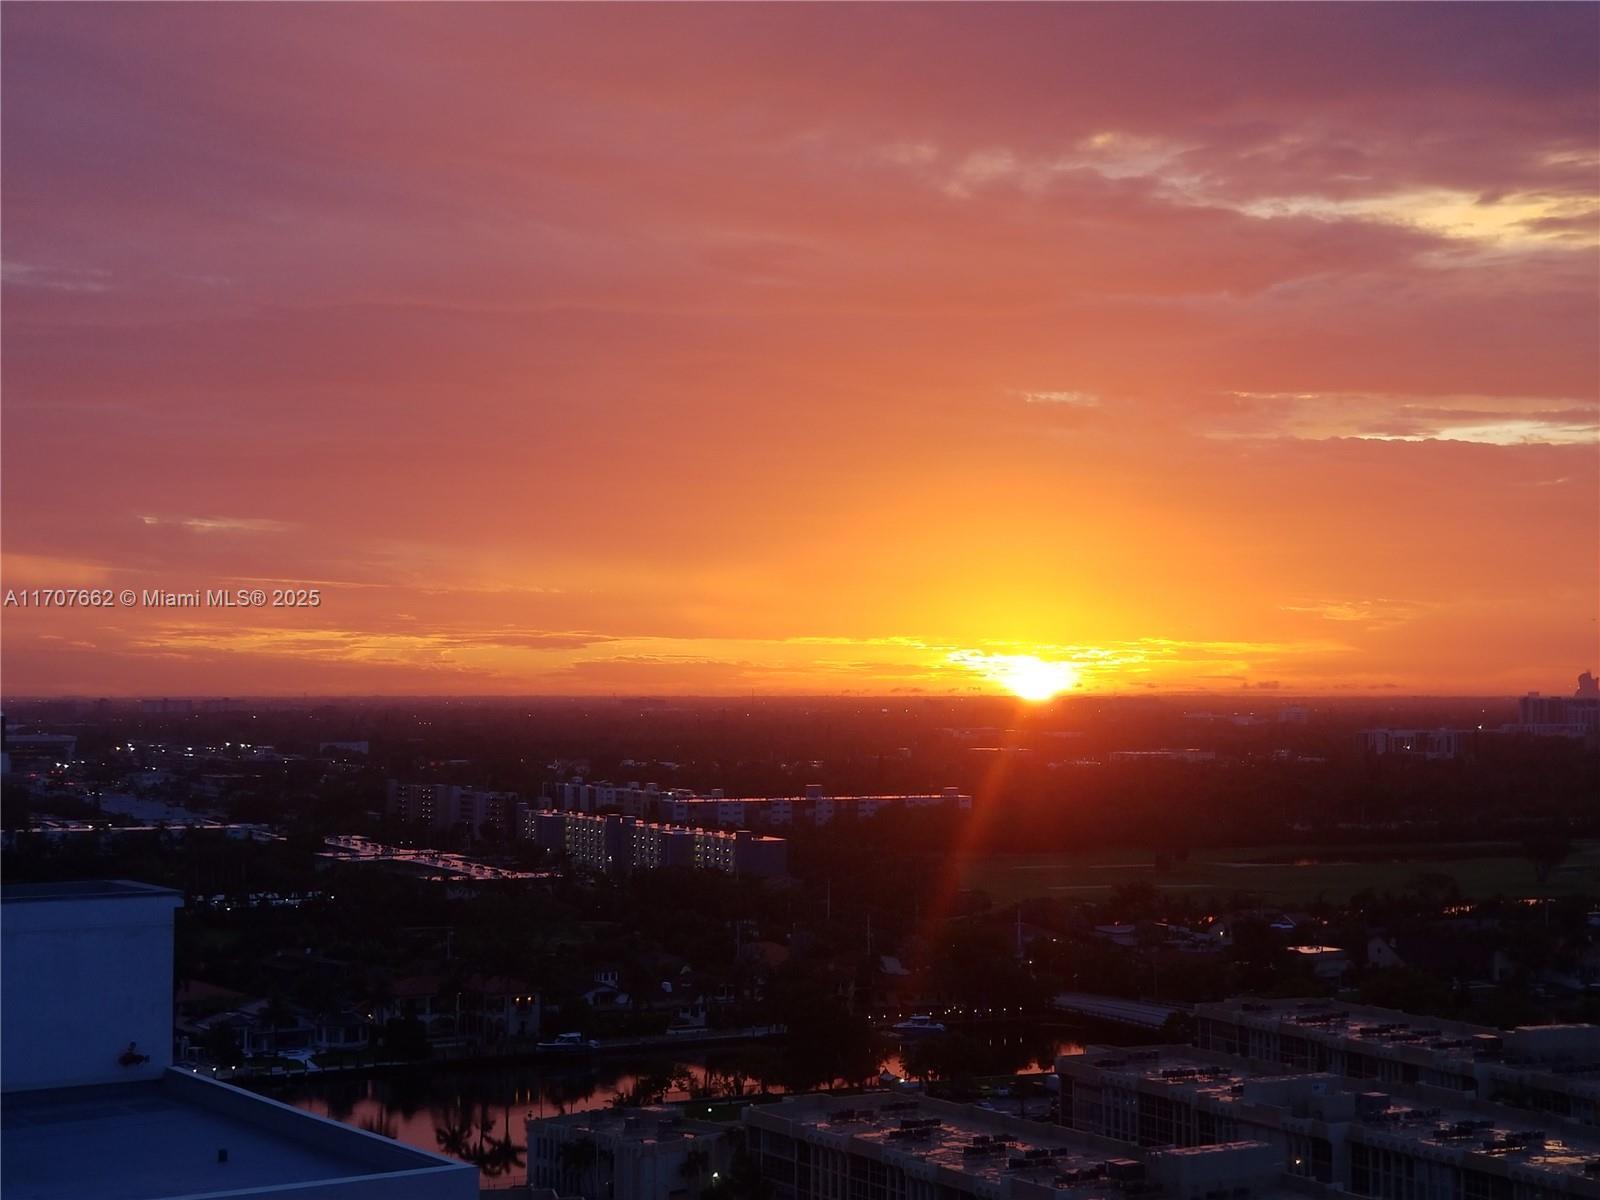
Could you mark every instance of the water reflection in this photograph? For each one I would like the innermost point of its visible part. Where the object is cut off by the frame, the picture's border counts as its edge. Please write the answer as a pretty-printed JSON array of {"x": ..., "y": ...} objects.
[
  {"x": 476, "y": 1114},
  {"x": 470, "y": 1134}
]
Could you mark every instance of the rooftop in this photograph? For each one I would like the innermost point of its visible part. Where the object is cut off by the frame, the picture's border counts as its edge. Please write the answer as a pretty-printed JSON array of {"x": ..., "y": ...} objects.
[
  {"x": 1346, "y": 1020},
  {"x": 165, "y": 1138},
  {"x": 1521, "y": 1138},
  {"x": 1170, "y": 1066},
  {"x": 998, "y": 1154},
  {"x": 88, "y": 889},
  {"x": 1514, "y": 1138},
  {"x": 646, "y": 1126},
  {"x": 1329, "y": 1022}
]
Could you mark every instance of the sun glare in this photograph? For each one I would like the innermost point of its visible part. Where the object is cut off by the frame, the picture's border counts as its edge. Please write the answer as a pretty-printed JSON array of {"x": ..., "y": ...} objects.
[{"x": 1025, "y": 675}]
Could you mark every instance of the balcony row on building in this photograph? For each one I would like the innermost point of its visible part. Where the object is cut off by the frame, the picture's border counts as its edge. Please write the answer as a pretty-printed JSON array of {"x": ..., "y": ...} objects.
[
  {"x": 1577, "y": 715},
  {"x": 442, "y": 806},
  {"x": 680, "y": 806},
  {"x": 616, "y": 844},
  {"x": 611, "y": 842}
]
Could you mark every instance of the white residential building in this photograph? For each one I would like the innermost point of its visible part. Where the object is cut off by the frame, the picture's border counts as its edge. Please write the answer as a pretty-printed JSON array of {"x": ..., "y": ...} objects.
[{"x": 94, "y": 1110}]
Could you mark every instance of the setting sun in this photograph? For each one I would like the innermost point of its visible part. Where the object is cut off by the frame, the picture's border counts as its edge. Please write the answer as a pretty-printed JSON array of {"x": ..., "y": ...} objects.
[
  {"x": 1033, "y": 678},
  {"x": 1026, "y": 675}
]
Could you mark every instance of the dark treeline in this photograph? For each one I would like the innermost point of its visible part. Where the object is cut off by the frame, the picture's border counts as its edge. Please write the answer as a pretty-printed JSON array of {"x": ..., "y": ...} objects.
[
  {"x": 1043, "y": 775},
  {"x": 761, "y": 746}
]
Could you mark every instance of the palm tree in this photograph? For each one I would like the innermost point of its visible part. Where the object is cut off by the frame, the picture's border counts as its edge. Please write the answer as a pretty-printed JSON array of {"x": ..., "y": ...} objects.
[
  {"x": 276, "y": 1012},
  {"x": 502, "y": 1156},
  {"x": 454, "y": 1135},
  {"x": 377, "y": 993}
]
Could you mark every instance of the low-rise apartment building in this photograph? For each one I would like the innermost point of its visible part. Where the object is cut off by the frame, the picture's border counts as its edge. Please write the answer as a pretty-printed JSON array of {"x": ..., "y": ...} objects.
[
  {"x": 899, "y": 1147},
  {"x": 1418, "y": 1145},
  {"x": 626, "y": 1154},
  {"x": 444, "y": 806},
  {"x": 680, "y": 806},
  {"x": 598, "y": 841},
  {"x": 1552, "y": 1069},
  {"x": 617, "y": 844},
  {"x": 1422, "y": 743}
]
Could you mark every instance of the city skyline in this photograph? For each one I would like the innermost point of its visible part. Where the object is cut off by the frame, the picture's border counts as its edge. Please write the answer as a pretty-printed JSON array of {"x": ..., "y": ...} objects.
[{"x": 701, "y": 350}]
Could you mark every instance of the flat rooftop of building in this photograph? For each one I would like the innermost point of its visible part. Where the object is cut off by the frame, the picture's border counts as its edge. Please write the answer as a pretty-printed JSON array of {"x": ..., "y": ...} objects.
[
  {"x": 1328, "y": 1020},
  {"x": 163, "y": 1138},
  {"x": 1559, "y": 1048},
  {"x": 1512, "y": 1137},
  {"x": 1350, "y": 1020},
  {"x": 86, "y": 889},
  {"x": 1195, "y": 1073},
  {"x": 656, "y": 1123},
  {"x": 1171, "y": 1066},
  {"x": 959, "y": 1138},
  {"x": 1519, "y": 1138}
]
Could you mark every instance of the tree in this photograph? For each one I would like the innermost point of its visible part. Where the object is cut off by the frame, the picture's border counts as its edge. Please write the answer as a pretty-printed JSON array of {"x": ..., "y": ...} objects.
[
  {"x": 16, "y": 809},
  {"x": 496, "y": 1156},
  {"x": 974, "y": 965},
  {"x": 958, "y": 1060},
  {"x": 1434, "y": 890},
  {"x": 221, "y": 1045},
  {"x": 826, "y": 1041},
  {"x": 744, "y": 1180},
  {"x": 278, "y": 1014},
  {"x": 573, "y": 1015},
  {"x": 454, "y": 1135},
  {"x": 406, "y": 1038},
  {"x": 652, "y": 1088},
  {"x": 1178, "y": 1029},
  {"x": 1545, "y": 852},
  {"x": 1256, "y": 955},
  {"x": 1409, "y": 990}
]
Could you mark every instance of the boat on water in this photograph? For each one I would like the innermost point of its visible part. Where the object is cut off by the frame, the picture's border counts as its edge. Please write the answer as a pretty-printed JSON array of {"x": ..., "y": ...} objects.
[
  {"x": 919, "y": 1024},
  {"x": 568, "y": 1043}
]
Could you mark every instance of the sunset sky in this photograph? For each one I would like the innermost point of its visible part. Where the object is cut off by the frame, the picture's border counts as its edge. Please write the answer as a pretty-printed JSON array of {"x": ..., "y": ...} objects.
[{"x": 809, "y": 349}]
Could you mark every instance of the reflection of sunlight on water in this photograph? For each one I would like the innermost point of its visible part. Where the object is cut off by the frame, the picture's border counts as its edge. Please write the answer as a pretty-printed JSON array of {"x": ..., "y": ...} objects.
[
  {"x": 437, "y": 1111},
  {"x": 1003, "y": 1047}
]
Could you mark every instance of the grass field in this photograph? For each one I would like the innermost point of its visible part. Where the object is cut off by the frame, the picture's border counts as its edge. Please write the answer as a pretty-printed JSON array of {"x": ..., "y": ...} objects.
[{"x": 1288, "y": 874}]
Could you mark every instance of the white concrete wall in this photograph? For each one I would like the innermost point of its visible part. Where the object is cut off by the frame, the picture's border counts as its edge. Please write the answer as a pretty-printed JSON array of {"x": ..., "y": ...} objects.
[{"x": 80, "y": 978}]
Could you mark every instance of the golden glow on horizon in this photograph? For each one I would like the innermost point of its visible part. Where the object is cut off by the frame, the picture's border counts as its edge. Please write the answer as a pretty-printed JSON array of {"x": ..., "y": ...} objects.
[{"x": 1025, "y": 675}]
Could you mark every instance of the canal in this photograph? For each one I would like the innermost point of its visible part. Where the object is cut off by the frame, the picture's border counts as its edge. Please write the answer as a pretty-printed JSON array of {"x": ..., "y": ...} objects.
[{"x": 477, "y": 1113}]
